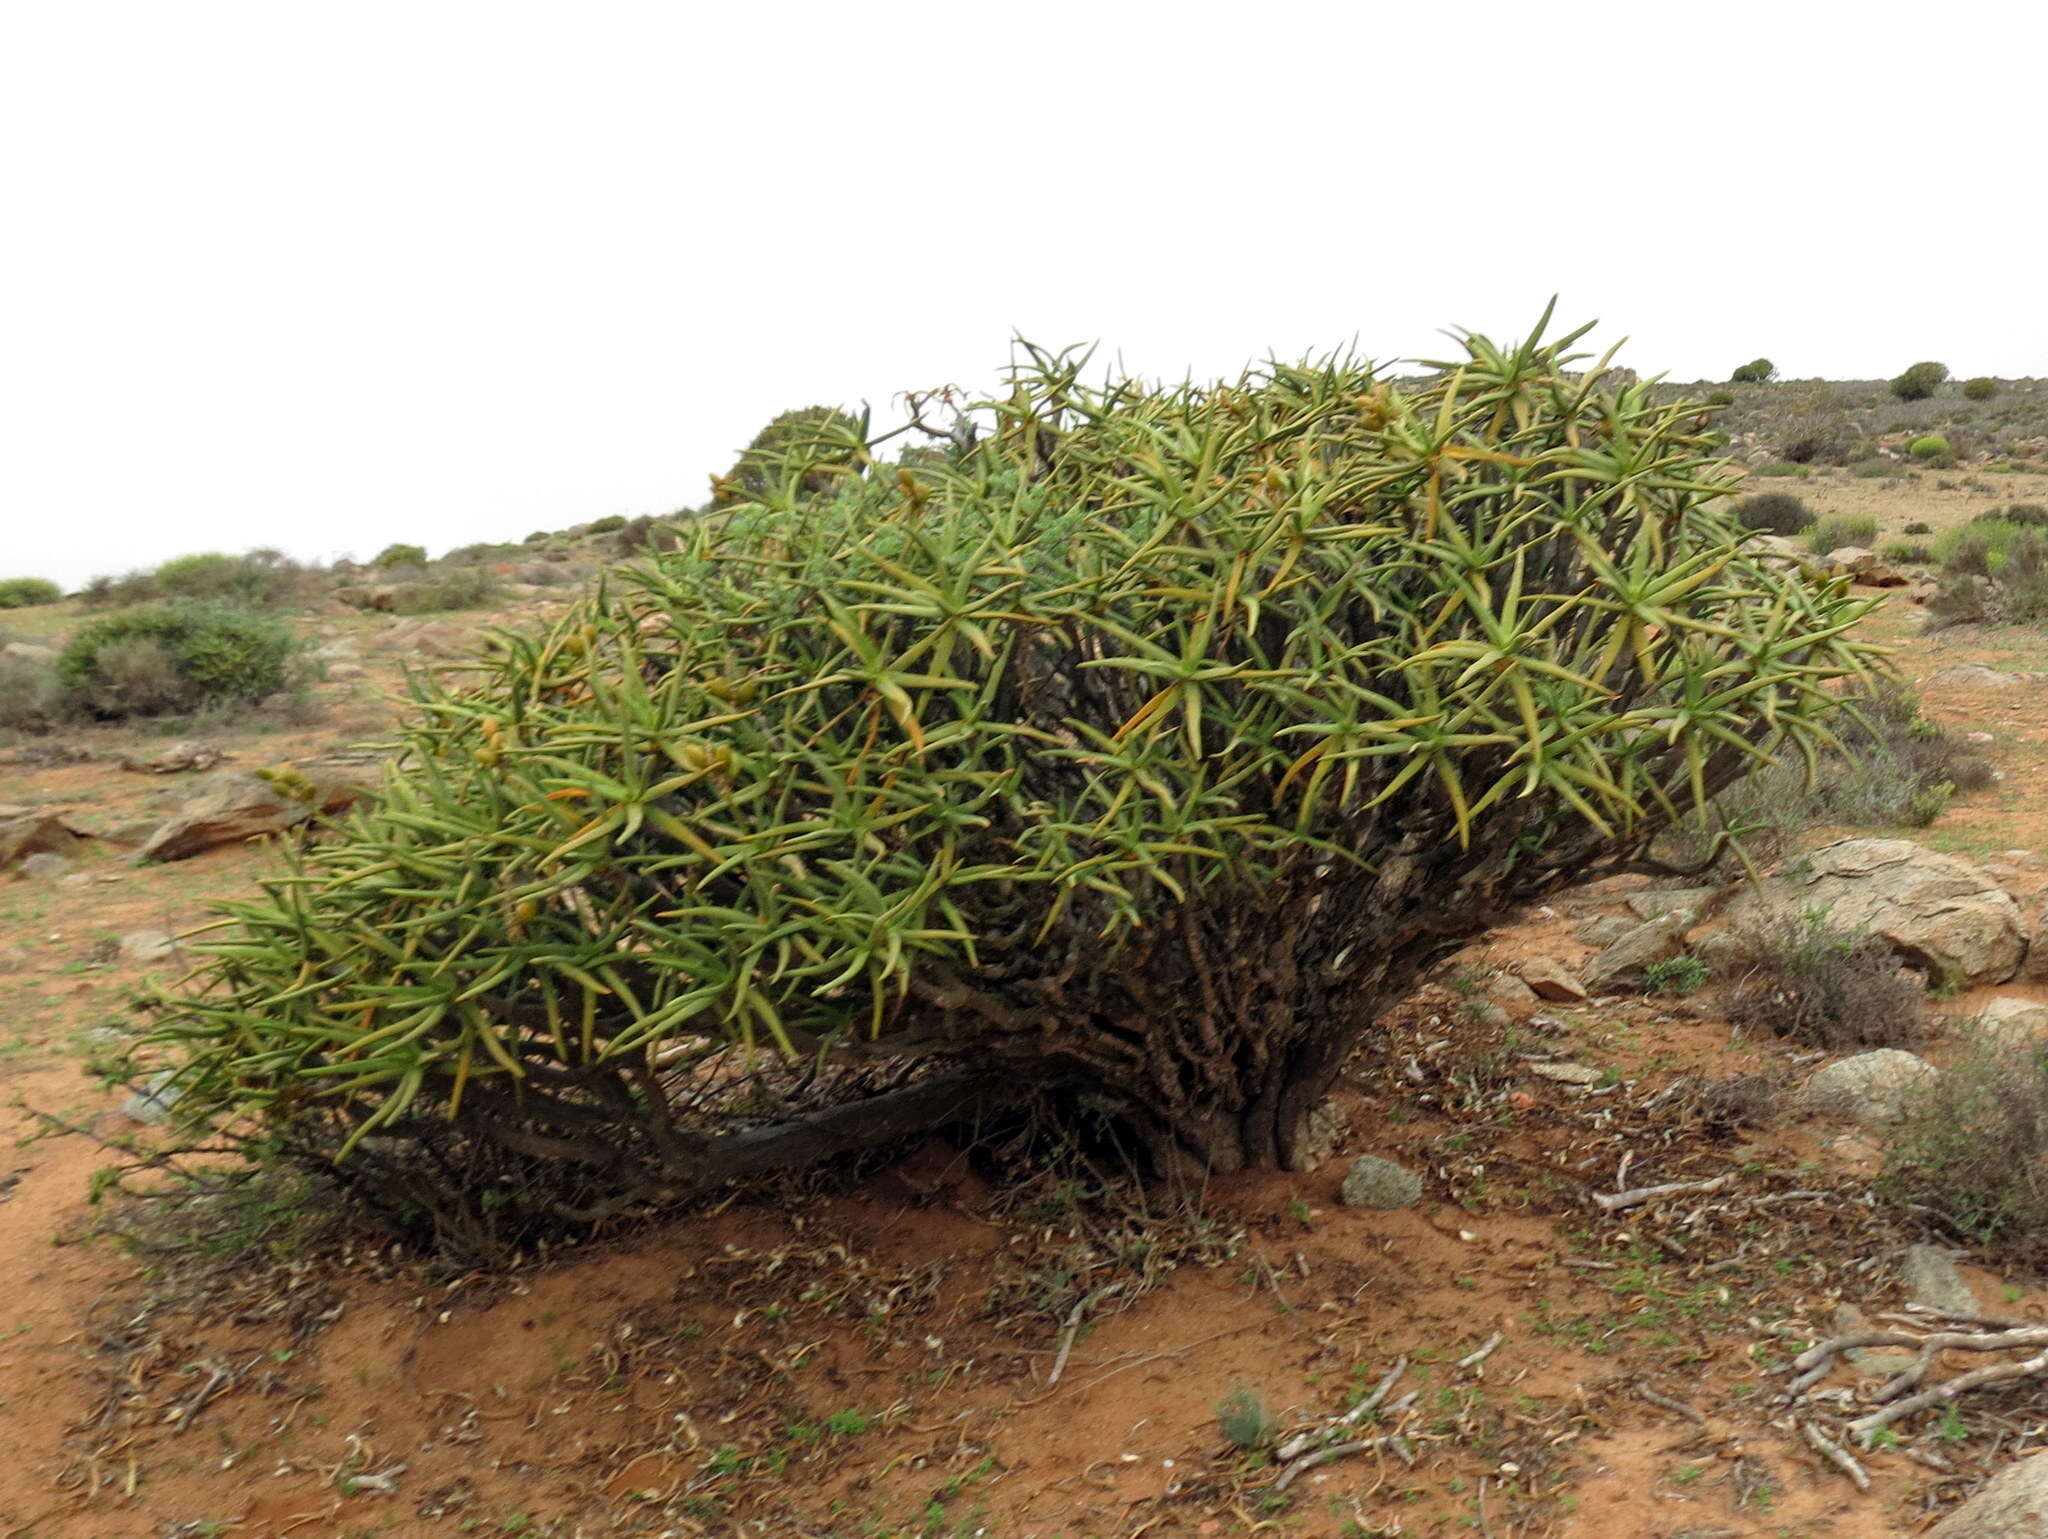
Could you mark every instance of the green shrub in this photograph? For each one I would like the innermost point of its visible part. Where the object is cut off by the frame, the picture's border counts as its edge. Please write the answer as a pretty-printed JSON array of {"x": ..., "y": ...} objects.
[
  {"x": 400, "y": 555},
  {"x": 1920, "y": 381},
  {"x": 1676, "y": 975},
  {"x": 1993, "y": 570},
  {"x": 1781, "y": 468},
  {"x": 1829, "y": 441},
  {"x": 31, "y": 698},
  {"x": 1876, "y": 468},
  {"x": 1972, "y": 1146},
  {"x": 28, "y": 592},
  {"x": 1918, "y": 528},
  {"x": 462, "y": 587},
  {"x": 538, "y": 537},
  {"x": 607, "y": 525},
  {"x": 1839, "y": 529},
  {"x": 1774, "y": 513},
  {"x": 801, "y": 455},
  {"x": 1246, "y": 1419},
  {"x": 1928, "y": 446},
  {"x": 1720, "y": 398},
  {"x": 2027, "y": 514},
  {"x": 259, "y": 579},
  {"x": 1982, "y": 388},
  {"x": 1826, "y": 988},
  {"x": 176, "y": 657},
  {"x": 1907, "y": 553},
  {"x": 868, "y": 811},
  {"x": 1755, "y": 372}
]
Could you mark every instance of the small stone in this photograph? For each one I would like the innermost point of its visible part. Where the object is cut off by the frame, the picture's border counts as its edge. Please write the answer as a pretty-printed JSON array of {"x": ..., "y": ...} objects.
[
  {"x": 1974, "y": 676},
  {"x": 1870, "y": 1088},
  {"x": 1603, "y": 929},
  {"x": 1552, "y": 982},
  {"x": 1372, "y": 1182},
  {"x": 1931, "y": 1280},
  {"x": 1847, "y": 1320},
  {"x": 1568, "y": 1073},
  {"x": 44, "y": 867},
  {"x": 1484, "y": 1012},
  {"x": 1509, "y": 989},
  {"x": 153, "y": 1102},
  {"x": 1654, "y": 940},
  {"x": 141, "y": 947}
]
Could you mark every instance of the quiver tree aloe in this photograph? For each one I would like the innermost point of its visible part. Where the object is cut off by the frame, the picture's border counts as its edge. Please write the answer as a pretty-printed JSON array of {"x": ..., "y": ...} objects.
[{"x": 1135, "y": 752}]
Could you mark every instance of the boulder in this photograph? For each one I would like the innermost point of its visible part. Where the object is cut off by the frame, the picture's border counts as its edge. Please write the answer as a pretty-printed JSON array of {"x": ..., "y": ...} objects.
[
  {"x": 2035, "y": 969},
  {"x": 1651, "y": 941},
  {"x": 1932, "y": 1281},
  {"x": 1937, "y": 911},
  {"x": 44, "y": 867},
  {"x": 1372, "y": 1182},
  {"x": 1852, "y": 560},
  {"x": 2013, "y": 1506},
  {"x": 1974, "y": 676},
  {"x": 29, "y": 652},
  {"x": 36, "y": 833},
  {"x": 1870, "y": 1089},
  {"x": 2018, "y": 1023},
  {"x": 1604, "y": 929},
  {"x": 231, "y": 808},
  {"x": 175, "y": 760},
  {"x": 1549, "y": 980},
  {"x": 1659, "y": 901},
  {"x": 1509, "y": 989}
]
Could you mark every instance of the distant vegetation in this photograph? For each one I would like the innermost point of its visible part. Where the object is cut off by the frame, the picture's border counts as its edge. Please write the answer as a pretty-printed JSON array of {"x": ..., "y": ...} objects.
[{"x": 28, "y": 592}]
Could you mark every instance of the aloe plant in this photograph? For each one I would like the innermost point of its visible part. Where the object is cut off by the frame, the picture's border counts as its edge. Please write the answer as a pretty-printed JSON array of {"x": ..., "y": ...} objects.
[{"x": 1139, "y": 748}]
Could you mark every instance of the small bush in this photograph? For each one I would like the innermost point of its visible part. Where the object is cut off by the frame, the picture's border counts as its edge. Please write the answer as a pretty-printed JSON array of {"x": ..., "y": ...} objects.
[
  {"x": 1839, "y": 529},
  {"x": 1781, "y": 468},
  {"x": 400, "y": 555},
  {"x": 611, "y": 525},
  {"x": 2028, "y": 514},
  {"x": 1907, "y": 553},
  {"x": 1720, "y": 398},
  {"x": 1755, "y": 372},
  {"x": 176, "y": 657},
  {"x": 1246, "y": 1419},
  {"x": 462, "y": 587},
  {"x": 31, "y": 697},
  {"x": 1992, "y": 570},
  {"x": 1829, "y": 442},
  {"x": 1973, "y": 1146},
  {"x": 28, "y": 592},
  {"x": 537, "y": 537},
  {"x": 1676, "y": 975},
  {"x": 1920, "y": 381},
  {"x": 259, "y": 579},
  {"x": 1826, "y": 988},
  {"x": 1774, "y": 513},
  {"x": 1918, "y": 528},
  {"x": 1928, "y": 446},
  {"x": 1982, "y": 388}
]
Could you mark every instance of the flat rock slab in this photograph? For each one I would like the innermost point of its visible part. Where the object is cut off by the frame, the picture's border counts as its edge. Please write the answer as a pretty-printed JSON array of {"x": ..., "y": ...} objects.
[
  {"x": 2013, "y": 1506},
  {"x": 1931, "y": 1280},
  {"x": 1870, "y": 1089},
  {"x": 1552, "y": 981}
]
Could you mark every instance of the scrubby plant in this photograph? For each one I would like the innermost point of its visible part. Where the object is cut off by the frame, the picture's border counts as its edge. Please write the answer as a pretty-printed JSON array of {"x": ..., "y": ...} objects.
[
  {"x": 1720, "y": 398},
  {"x": 1918, "y": 527},
  {"x": 1982, "y": 388},
  {"x": 1774, "y": 513},
  {"x": 1972, "y": 1145},
  {"x": 1135, "y": 761},
  {"x": 173, "y": 657},
  {"x": 802, "y": 454},
  {"x": 610, "y": 524},
  {"x": 2028, "y": 514},
  {"x": 538, "y": 537},
  {"x": 257, "y": 579},
  {"x": 1755, "y": 372},
  {"x": 1829, "y": 441},
  {"x": 1920, "y": 381},
  {"x": 1992, "y": 570},
  {"x": 1907, "y": 553},
  {"x": 1839, "y": 529},
  {"x": 1826, "y": 988},
  {"x": 31, "y": 698},
  {"x": 1247, "y": 1421},
  {"x": 460, "y": 587},
  {"x": 1782, "y": 468},
  {"x": 1928, "y": 446},
  {"x": 1679, "y": 975},
  {"x": 28, "y": 592},
  {"x": 400, "y": 555}
]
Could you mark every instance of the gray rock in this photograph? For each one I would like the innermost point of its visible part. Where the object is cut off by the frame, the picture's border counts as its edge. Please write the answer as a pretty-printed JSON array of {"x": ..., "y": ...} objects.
[
  {"x": 1932, "y": 1281},
  {"x": 1935, "y": 910},
  {"x": 1847, "y": 1320},
  {"x": 2013, "y": 1023},
  {"x": 1509, "y": 989},
  {"x": 1658, "y": 902},
  {"x": 2035, "y": 969},
  {"x": 1872, "y": 1088},
  {"x": 2013, "y": 1506},
  {"x": 1974, "y": 676},
  {"x": 35, "y": 833},
  {"x": 1651, "y": 941},
  {"x": 1604, "y": 929},
  {"x": 1372, "y": 1182},
  {"x": 29, "y": 652},
  {"x": 1551, "y": 981},
  {"x": 1568, "y": 1073},
  {"x": 141, "y": 947},
  {"x": 44, "y": 867},
  {"x": 153, "y": 1102}
]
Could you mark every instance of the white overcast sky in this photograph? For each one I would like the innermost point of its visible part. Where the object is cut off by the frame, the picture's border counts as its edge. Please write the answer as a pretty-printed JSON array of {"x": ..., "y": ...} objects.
[{"x": 326, "y": 276}]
